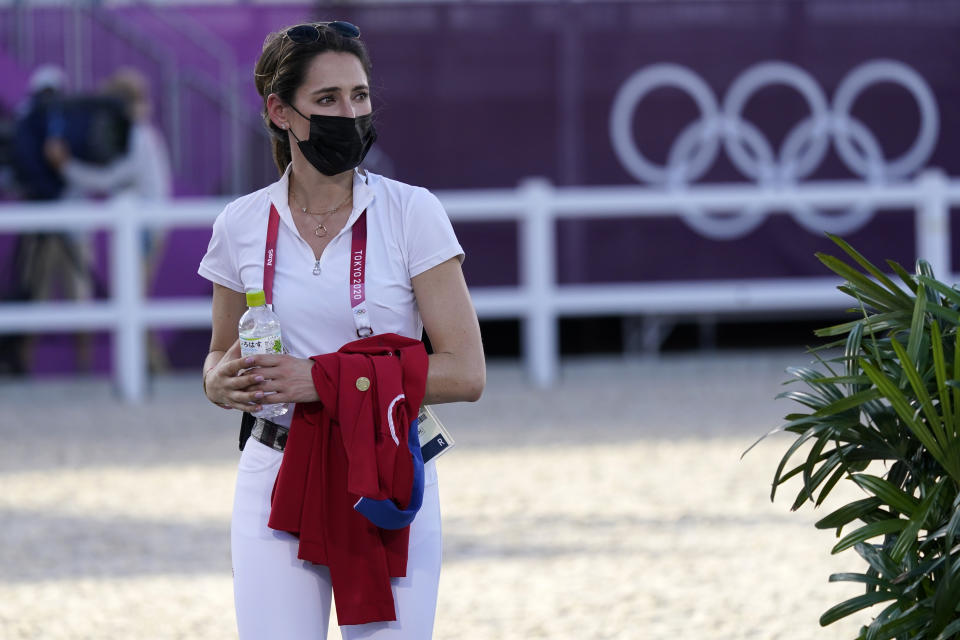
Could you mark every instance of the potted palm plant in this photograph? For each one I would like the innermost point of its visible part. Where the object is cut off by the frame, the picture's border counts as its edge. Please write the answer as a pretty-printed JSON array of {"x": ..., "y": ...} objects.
[{"x": 882, "y": 410}]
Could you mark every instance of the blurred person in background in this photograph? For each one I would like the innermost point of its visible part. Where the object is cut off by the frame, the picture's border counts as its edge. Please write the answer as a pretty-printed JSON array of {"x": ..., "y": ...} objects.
[
  {"x": 142, "y": 173},
  {"x": 39, "y": 258},
  {"x": 314, "y": 79},
  {"x": 36, "y": 178}
]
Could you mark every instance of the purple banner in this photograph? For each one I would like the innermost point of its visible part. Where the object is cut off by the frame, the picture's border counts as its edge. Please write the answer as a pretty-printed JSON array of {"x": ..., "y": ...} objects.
[
  {"x": 665, "y": 94},
  {"x": 480, "y": 95}
]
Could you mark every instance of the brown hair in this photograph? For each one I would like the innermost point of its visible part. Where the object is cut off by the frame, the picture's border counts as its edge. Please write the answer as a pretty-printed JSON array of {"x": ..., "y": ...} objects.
[
  {"x": 281, "y": 68},
  {"x": 130, "y": 87}
]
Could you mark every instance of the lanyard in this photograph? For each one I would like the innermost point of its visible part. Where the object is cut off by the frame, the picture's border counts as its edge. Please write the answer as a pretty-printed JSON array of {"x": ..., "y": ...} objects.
[{"x": 358, "y": 269}]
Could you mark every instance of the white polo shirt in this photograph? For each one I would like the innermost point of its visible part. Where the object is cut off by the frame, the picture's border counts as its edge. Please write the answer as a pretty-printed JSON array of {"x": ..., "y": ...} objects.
[{"x": 408, "y": 232}]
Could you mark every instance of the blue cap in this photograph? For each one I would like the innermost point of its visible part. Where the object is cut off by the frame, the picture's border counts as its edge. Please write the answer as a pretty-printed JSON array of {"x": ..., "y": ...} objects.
[{"x": 385, "y": 513}]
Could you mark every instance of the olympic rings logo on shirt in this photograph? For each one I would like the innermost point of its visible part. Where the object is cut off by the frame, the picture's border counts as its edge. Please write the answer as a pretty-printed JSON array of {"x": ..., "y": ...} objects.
[{"x": 803, "y": 149}]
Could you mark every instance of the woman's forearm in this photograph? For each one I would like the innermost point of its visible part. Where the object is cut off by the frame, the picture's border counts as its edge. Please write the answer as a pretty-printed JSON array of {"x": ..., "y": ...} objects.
[
  {"x": 453, "y": 378},
  {"x": 212, "y": 360}
]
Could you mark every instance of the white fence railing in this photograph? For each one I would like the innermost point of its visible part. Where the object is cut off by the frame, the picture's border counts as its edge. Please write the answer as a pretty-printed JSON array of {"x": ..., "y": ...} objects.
[{"x": 538, "y": 301}]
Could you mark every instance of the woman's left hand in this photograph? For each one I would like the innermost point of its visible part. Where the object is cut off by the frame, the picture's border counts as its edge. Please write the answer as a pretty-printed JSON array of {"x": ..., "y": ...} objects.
[{"x": 291, "y": 378}]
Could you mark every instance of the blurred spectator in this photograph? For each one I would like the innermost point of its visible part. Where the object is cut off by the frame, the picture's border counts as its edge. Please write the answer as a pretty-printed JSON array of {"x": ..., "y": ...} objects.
[
  {"x": 35, "y": 177},
  {"x": 37, "y": 255},
  {"x": 143, "y": 172}
]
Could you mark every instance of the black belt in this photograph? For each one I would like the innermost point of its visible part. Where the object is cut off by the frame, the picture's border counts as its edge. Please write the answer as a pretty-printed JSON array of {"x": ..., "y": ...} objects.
[{"x": 270, "y": 433}]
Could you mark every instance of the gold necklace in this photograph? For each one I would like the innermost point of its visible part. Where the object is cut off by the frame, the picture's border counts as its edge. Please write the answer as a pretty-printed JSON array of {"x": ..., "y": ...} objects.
[{"x": 321, "y": 230}]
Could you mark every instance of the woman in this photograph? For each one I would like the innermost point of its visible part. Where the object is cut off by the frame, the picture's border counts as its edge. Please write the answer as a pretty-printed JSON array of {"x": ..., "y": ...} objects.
[{"x": 314, "y": 80}]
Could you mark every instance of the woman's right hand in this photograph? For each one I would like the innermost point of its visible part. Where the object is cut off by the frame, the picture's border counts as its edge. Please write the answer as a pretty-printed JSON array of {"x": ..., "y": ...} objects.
[{"x": 226, "y": 388}]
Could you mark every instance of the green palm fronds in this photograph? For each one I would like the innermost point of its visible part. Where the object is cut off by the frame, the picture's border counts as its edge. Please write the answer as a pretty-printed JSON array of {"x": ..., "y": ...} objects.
[{"x": 885, "y": 415}]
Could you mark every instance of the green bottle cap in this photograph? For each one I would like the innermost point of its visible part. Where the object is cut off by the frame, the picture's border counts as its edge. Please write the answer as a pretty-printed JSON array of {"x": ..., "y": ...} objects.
[{"x": 256, "y": 298}]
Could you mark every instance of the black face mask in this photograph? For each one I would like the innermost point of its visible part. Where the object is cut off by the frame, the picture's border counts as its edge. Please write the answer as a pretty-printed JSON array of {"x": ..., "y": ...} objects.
[{"x": 336, "y": 144}]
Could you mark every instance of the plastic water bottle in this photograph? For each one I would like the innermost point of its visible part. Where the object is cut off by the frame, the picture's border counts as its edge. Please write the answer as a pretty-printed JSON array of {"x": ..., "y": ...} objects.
[{"x": 260, "y": 333}]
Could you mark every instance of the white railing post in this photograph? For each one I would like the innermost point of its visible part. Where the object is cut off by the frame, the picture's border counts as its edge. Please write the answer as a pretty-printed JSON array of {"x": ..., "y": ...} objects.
[
  {"x": 933, "y": 222},
  {"x": 129, "y": 340},
  {"x": 538, "y": 279},
  {"x": 536, "y": 205}
]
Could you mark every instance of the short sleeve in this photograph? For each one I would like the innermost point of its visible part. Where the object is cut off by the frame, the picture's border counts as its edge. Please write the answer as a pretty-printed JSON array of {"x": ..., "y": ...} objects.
[
  {"x": 430, "y": 239},
  {"x": 220, "y": 264}
]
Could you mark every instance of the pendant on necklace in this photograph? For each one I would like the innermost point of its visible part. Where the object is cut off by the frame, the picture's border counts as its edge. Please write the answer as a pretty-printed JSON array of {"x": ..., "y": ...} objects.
[
  {"x": 320, "y": 231},
  {"x": 316, "y": 268}
]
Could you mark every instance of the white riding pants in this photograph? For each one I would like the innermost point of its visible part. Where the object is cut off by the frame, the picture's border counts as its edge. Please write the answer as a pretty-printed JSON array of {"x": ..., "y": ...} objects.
[{"x": 279, "y": 597}]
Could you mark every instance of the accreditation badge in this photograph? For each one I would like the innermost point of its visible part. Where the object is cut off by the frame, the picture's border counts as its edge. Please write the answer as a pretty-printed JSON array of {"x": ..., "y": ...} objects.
[{"x": 434, "y": 437}]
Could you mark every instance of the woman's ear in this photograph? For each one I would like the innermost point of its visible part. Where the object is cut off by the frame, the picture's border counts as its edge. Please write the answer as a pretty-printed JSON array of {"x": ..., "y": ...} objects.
[{"x": 277, "y": 111}]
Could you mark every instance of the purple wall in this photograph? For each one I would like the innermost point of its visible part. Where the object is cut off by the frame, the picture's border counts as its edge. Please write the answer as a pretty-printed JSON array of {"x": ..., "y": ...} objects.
[
  {"x": 478, "y": 95},
  {"x": 483, "y": 95},
  {"x": 526, "y": 89}
]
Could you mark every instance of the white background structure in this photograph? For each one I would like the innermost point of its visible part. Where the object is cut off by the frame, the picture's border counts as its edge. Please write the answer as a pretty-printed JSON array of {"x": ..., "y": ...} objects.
[
  {"x": 538, "y": 300},
  {"x": 803, "y": 149}
]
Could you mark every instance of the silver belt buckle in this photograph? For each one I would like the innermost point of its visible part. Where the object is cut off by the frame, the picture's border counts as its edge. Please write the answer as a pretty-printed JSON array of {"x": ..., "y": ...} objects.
[
  {"x": 263, "y": 427},
  {"x": 257, "y": 430}
]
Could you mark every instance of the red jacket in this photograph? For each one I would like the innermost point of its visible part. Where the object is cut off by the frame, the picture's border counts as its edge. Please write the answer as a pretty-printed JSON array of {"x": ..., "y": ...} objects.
[{"x": 342, "y": 448}]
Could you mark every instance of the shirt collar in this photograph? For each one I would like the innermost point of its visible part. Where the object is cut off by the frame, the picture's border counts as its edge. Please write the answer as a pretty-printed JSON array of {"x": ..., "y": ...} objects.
[
  {"x": 278, "y": 197},
  {"x": 363, "y": 196}
]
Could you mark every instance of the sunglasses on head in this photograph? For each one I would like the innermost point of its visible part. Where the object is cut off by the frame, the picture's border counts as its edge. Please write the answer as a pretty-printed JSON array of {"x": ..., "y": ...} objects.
[{"x": 310, "y": 32}]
